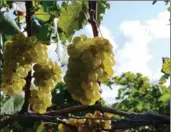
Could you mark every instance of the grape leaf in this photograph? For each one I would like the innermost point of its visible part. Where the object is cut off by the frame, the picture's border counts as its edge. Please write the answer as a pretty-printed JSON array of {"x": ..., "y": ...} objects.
[
  {"x": 163, "y": 79},
  {"x": 51, "y": 7},
  {"x": 140, "y": 106},
  {"x": 73, "y": 17},
  {"x": 43, "y": 16},
  {"x": 41, "y": 128},
  {"x": 12, "y": 105},
  {"x": 165, "y": 97},
  {"x": 101, "y": 9},
  {"x": 41, "y": 30},
  {"x": 166, "y": 66},
  {"x": 8, "y": 26}
]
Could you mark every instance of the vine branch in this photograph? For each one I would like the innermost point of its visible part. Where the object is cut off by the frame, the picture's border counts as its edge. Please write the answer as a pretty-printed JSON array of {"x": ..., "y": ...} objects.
[
  {"x": 131, "y": 119},
  {"x": 93, "y": 16},
  {"x": 29, "y": 13}
]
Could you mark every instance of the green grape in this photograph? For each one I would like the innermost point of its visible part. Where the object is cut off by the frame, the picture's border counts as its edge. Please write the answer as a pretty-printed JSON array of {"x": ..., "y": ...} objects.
[
  {"x": 103, "y": 78},
  {"x": 17, "y": 88},
  {"x": 93, "y": 76},
  {"x": 38, "y": 46},
  {"x": 51, "y": 83},
  {"x": 22, "y": 60},
  {"x": 86, "y": 85},
  {"x": 100, "y": 56},
  {"x": 36, "y": 107},
  {"x": 22, "y": 72},
  {"x": 8, "y": 44},
  {"x": 47, "y": 89},
  {"x": 95, "y": 86},
  {"x": 97, "y": 62},
  {"x": 108, "y": 47},
  {"x": 37, "y": 67},
  {"x": 41, "y": 93},
  {"x": 76, "y": 40},
  {"x": 61, "y": 128},
  {"x": 34, "y": 92},
  {"x": 87, "y": 57},
  {"x": 109, "y": 71},
  {"x": 42, "y": 109},
  {"x": 34, "y": 54},
  {"x": 33, "y": 39},
  {"x": 99, "y": 71},
  {"x": 27, "y": 67},
  {"x": 47, "y": 101},
  {"x": 73, "y": 52},
  {"x": 22, "y": 82},
  {"x": 81, "y": 46},
  {"x": 15, "y": 77},
  {"x": 86, "y": 101},
  {"x": 10, "y": 91},
  {"x": 97, "y": 95},
  {"x": 32, "y": 100},
  {"x": 83, "y": 37},
  {"x": 108, "y": 62}
]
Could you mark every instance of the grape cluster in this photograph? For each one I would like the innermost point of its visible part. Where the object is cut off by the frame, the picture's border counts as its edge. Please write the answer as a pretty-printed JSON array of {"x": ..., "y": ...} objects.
[
  {"x": 46, "y": 77},
  {"x": 88, "y": 125},
  {"x": 19, "y": 54},
  {"x": 90, "y": 62}
]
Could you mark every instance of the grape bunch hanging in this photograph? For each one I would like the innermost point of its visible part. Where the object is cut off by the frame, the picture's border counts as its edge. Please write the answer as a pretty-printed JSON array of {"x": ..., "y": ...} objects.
[
  {"x": 45, "y": 78},
  {"x": 90, "y": 124},
  {"x": 90, "y": 62},
  {"x": 21, "y": 55}
]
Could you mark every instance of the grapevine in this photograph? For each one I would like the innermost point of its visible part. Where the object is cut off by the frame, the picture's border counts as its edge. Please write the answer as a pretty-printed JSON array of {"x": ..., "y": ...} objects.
[
  {"x": 90, "y": 62},
  {"x": 31, "y": 100}
]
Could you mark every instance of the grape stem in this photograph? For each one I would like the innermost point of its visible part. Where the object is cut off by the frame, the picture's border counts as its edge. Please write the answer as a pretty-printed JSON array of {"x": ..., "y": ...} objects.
[
  {"x": 93, "y": 16},
  {"x": 29, "y": 14}
]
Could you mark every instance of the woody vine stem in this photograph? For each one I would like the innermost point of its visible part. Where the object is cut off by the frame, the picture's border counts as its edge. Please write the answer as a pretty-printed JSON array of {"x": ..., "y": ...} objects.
[
  {"x": 131, "y": 120},
  {"x": 29, "y": 13}
]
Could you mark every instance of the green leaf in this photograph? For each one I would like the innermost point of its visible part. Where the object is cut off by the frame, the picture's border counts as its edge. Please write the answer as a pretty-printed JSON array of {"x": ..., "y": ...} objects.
[
  {"x": 41, "y": 15},
  {"x": 134, "y": 90},
  {"x": 12, "y": 105},
  {"x": 102, "y": 6},
  {"x": 41, "y": 128},
  {"x": 165, "y": 97},
  {"x": 166, "y": 66},
  {"x": 140, "y": 106},
  {"x": 73, "y": 17},
  {"x": 164, "y": 88},
  {"x": 42, "y": 31},
  {"x": 8, "y": 26},
  {"x": 163, "y": 79},
  {"x": 109, "y": 83}
]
